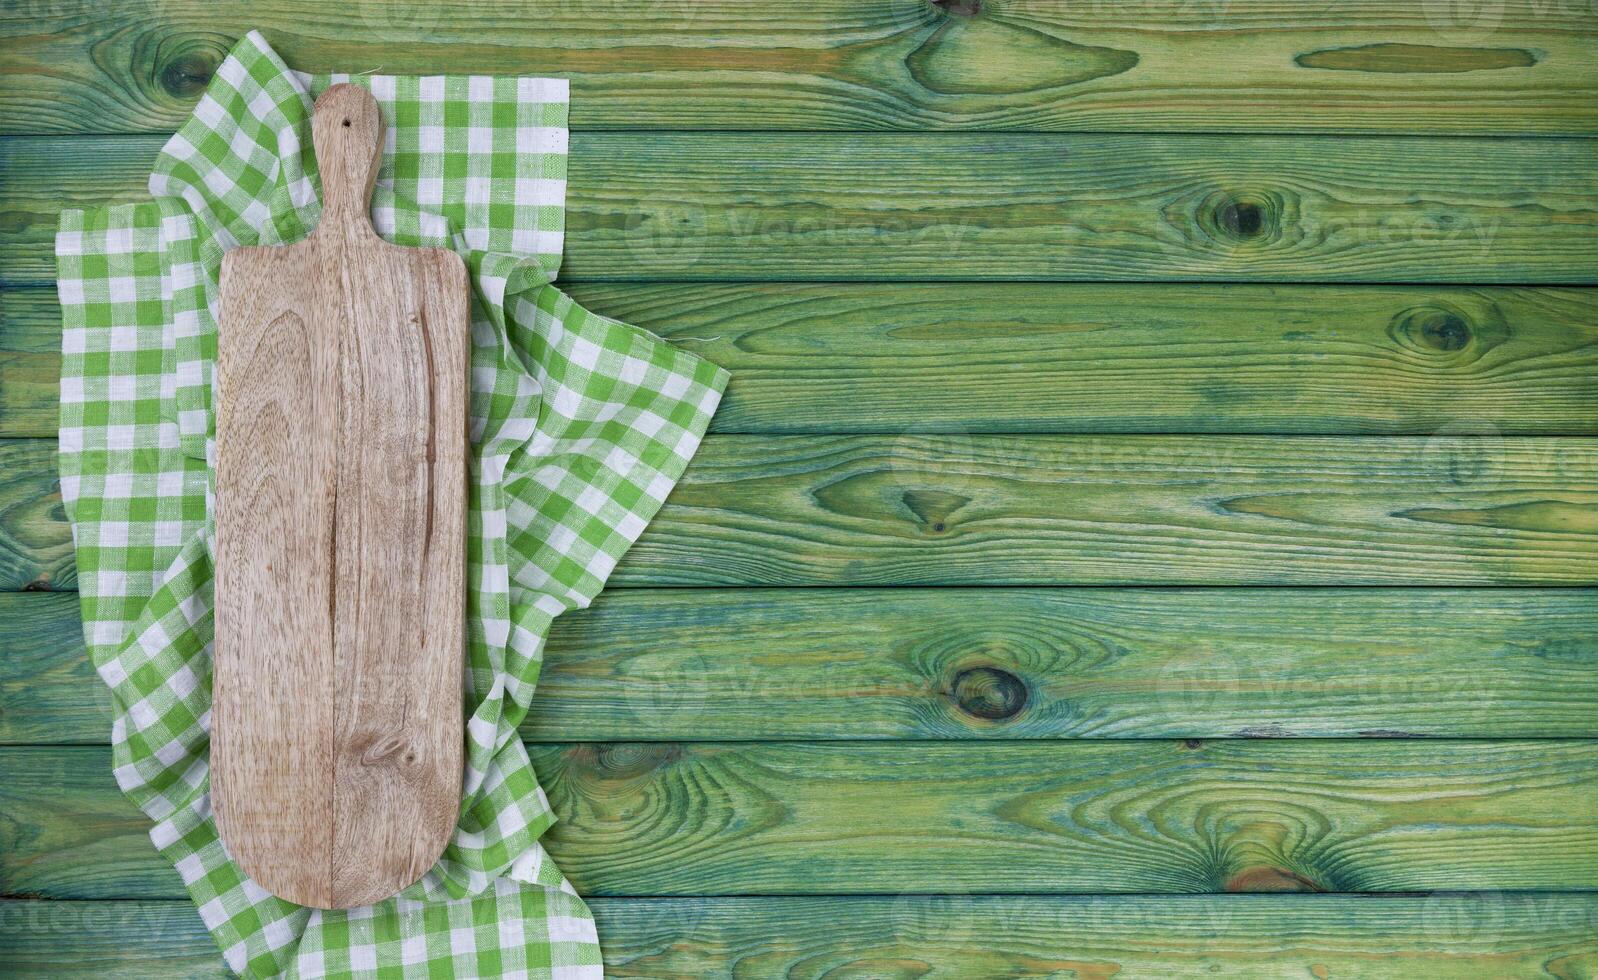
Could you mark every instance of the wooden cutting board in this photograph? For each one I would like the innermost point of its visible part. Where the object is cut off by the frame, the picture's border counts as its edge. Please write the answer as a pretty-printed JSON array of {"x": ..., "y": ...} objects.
[{"x": 341, "y": 449}]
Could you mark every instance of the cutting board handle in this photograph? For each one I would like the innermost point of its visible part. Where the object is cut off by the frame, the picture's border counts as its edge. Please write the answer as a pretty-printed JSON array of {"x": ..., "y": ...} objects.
[{"x": 348, "y": 131}]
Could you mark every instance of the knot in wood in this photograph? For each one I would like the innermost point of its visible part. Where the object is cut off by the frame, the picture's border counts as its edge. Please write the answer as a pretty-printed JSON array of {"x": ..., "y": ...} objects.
[
  {"x": 388, "y": 748},
  {"x": 1242, "y": 217},
  {"x": 185, "y": 69},
  {"x": 1432, "y": 329},
  {"x": 989, "y": 693},
  {"x": 622, "y": 760}
]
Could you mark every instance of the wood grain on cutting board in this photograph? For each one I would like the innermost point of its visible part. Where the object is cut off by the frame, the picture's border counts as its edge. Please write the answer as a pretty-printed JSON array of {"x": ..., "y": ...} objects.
[{"x": 340, "y": 484}]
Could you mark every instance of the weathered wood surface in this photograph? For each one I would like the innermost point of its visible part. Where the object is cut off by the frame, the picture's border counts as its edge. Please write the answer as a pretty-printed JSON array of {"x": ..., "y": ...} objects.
[
  {"x": 912, "y": 368},
  {"x": 1084, "y": 207},
  {"x": 748, "y": 665},
  {"x": 35, "y": 538},
  {"x": 994, "y": 510},
  {"x": 1067, "y": 357},
  {"x": 1240, "y": 815},
  {"x": 1260, "y": 937},
  {"x": 953, "y": 509},
  {"x": 1518, "y": 66},
  {"x": 30, "y": 361},
  {"x": 340, "y": 543}
]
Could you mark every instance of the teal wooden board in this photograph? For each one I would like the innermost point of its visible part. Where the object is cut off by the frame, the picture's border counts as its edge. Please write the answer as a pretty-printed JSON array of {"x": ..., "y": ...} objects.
[
  {"x": 992, "y": 664},
  {"x": 690, "y": 207},
  {"x": 1041, "y": 817},
  {"x": 1067, "y": 357},
  {"x": 1255, "y": 937},
  {"x": 1384, "y": 66}
]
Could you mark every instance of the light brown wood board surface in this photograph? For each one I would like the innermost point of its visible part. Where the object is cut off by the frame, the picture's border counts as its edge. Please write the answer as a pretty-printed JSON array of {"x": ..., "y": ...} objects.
[{"x": 340, "y": 552}]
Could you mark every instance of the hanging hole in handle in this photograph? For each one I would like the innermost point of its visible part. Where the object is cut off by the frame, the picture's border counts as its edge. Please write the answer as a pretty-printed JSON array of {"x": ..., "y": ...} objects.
[{"x": 346, "y": 124}]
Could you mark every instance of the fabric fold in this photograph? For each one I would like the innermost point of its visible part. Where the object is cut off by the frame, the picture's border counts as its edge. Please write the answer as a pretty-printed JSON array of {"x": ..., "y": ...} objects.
[{"x": 580, "y": 427}]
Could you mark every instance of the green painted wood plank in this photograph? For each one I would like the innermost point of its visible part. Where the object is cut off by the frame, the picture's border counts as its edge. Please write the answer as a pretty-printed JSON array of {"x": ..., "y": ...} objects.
[
  {"x": 117, "y": 171},
  {"x": 1067, "y": 357},
  {"x": 1266, "y": 937},
  {"x": 35, "y": 537},
  {"x": 1515, "y": 66},
  {"x": 750, "y": 665},
  {"x": 30, "y": 361},
  {"x": 1122, "y": 510},
  {"x": 954, "y": 509},
  {"x": 665, "y": 818},
  {"x": 127, "y": 940},
  {"x": 761, "y": 206}
]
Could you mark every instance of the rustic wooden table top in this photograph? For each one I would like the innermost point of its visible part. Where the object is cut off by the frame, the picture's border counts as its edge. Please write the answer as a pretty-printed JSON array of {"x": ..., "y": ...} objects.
[{"x": 1159, "y": 480}]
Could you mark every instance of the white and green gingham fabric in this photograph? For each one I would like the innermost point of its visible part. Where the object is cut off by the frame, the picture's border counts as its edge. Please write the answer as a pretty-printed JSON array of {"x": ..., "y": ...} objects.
[{"x": 580, "y": 427}]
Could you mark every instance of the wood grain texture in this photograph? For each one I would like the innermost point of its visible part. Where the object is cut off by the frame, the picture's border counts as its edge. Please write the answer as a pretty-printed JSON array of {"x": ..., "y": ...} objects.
[
  {"x": 809, "y": 818},
  {"x": 1125, "y": 510},
  {"x": 1518, "y": 66},
  {"x": 30, "y": 362},
  {"x": 911, "y": 369},
  {"x": 340, "y": 543},
  {"x": 1158, "y": 358},
  {"x": 45, "y": 674},
  {"x": 682, "y": 207},
  {"x": 35, "y": 538},
  {"x": 1260, "y": 937},
  {"x": 821, "y": 664},
  {"x": 1067, "y": 357},
  {"x": 1464, "y": 507}
]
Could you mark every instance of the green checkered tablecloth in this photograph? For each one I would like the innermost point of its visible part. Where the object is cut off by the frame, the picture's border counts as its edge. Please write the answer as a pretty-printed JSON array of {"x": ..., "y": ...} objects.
[{"x": 580, "y": 427}]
